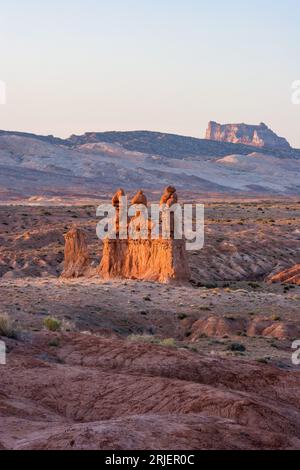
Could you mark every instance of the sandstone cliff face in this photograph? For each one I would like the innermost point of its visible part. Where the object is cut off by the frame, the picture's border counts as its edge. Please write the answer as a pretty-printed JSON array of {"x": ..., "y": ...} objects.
[
  {"x": 257, "y": 136},
  {"x": 149, "y": 260}
]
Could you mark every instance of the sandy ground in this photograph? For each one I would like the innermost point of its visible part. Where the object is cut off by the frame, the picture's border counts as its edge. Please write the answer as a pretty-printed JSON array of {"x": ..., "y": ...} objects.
[
  {"x": 144, "y": 308},
  {"x": 228, "y": 319}
]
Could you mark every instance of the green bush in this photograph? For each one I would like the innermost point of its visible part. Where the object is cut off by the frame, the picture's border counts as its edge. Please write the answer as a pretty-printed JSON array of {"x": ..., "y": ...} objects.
[{"x": 52, "y": 324}]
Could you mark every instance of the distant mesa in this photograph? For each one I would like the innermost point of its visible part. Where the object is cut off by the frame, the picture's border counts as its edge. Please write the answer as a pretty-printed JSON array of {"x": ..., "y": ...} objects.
[{"x": 247, "y": 134}]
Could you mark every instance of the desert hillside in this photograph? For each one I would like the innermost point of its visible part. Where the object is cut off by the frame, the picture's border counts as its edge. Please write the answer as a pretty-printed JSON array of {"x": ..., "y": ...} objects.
[{"x": 85, "y": 167}]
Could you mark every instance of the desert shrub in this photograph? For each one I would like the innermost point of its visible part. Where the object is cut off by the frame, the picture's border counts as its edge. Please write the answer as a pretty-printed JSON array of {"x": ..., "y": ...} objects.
[
  {"x": 262, "y": 360},
  {"x": 169, "y": 342},
  {"x": 54, "y": 343},
  {"x": 192, "y": 348},
  {"x": 254, "y": 285},
  {"x": 52, "y": 324},
  {"x": 143, "y": 338},
  {"x": 181, "y": 316},
  {"x": 236, "y": 347},
  {"x": 7, "y": 327},
  {"x": 210, "y": 285},
  {"x": 276, "y": 317}
]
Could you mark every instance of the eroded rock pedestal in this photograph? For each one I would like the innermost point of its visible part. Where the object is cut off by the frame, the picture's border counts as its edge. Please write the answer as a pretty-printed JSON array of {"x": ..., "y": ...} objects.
[
  {"x": 142, "y": 257},
  {"x": 76, "y": 260},
  {"x": 149, "y": 260},
  {"x": 139, "y": 256}
]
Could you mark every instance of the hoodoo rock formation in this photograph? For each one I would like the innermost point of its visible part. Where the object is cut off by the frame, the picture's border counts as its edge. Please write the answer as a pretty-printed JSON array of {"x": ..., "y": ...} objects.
[
  {"x": 288, "y": 276},
  {"x": 169, "y": 196},
  {"x": 76, "y": 259},
  {"x": 135, "y": 257},
  {"x": 139, "y": 222},
  {"x": 116, "y": 203},
  {"x": 257, "y": 136},
  {"x": 148, "y": 259},
  {"x": 139, "y": 198}
]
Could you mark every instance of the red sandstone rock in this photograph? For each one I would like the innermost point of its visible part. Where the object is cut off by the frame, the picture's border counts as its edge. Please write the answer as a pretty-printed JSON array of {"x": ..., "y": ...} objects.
[
  {"x": 288, "y": 276},
  {"x": 139, "y": 198},
  {"x": 149, "y": 260},
  {"x": 169, "y": 196},
  {"x": 216, "y": 326},
  {"x": 77, "y": 260},
  {"x": 282, "y": 330},
  {"x": 117, "y": 196},
  {"x": 258, "y": 325}
]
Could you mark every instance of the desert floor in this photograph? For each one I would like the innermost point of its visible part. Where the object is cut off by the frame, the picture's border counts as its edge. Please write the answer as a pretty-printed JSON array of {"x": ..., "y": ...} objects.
[{"x": 136, "y": 365}]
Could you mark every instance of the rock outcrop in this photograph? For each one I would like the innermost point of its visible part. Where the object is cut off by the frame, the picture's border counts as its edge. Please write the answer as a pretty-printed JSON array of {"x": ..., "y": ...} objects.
[
  {"x": 149, "y": 260},
  {"x": 139, "y": 198},
  {"x": 288, "y": 276},
  {"x": 256, "y": 136},
  {"x": 136, "y": 257},
  {"x": 169, "y": 196},
  {"x": 143, "y": 258},
  {"x": 215, "y": 326},
  {"x": 76, "y": 260}
]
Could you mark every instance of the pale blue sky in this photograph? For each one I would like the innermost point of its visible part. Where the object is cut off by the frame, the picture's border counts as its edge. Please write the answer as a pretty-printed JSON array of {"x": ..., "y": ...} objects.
[{"x": 165, "y": 65}]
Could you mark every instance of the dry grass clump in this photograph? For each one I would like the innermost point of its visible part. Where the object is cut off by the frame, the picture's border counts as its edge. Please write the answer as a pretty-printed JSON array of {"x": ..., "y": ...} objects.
[
  {"x": 7, "y": 327},
  {"x": 52, "y": 324},
  {"x": 168, "y": 342}
]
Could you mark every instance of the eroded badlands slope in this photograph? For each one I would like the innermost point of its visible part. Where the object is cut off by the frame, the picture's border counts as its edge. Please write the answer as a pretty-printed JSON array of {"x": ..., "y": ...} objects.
[{"x": 103, "y": 393}]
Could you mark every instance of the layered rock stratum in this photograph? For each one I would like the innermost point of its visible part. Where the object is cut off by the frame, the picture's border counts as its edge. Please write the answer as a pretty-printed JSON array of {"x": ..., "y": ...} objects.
[
  {"x": 288, "y": 276},
  {"x": 148, "y": 260}
]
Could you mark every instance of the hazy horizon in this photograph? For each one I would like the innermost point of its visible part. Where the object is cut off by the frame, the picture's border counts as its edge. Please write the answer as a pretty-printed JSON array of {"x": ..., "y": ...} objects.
[{"x": 72, "y": 67}]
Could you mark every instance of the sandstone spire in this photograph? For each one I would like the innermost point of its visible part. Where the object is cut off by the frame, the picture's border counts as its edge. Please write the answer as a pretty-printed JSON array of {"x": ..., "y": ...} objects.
[
  {"x": 169, "y": 196},
  {"x": 76, "y": 260},
  {"x": 116, "y": 202}
]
